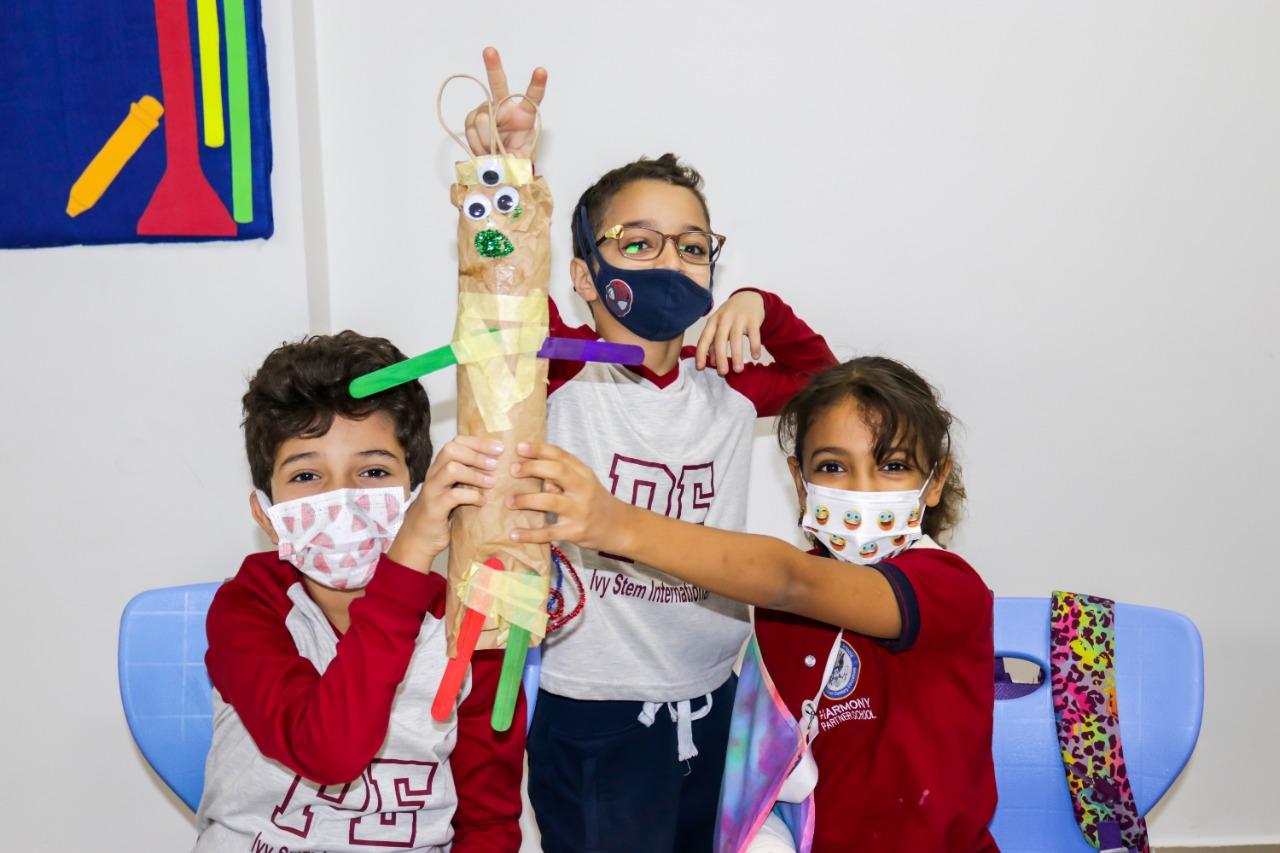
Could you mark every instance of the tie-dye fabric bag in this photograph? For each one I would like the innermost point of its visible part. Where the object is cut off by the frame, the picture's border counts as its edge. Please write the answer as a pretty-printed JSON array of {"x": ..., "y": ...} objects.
[{"x": 765, "y": 743}]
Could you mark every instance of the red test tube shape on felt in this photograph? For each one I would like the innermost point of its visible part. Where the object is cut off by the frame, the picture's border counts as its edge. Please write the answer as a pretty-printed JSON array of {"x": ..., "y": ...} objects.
[{"x": 183, "y": 204}]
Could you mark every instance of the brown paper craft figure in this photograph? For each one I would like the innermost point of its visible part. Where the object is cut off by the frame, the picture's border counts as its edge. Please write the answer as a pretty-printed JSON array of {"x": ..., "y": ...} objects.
[
  {"x": 504, "y": 264},
  {"x": 498, "y": 589}
]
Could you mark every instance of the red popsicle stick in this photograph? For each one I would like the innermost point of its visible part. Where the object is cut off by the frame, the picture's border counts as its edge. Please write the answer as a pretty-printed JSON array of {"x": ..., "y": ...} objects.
[
  {"x": 183, "y": 203},
  {"x": 456, "y": 670}
]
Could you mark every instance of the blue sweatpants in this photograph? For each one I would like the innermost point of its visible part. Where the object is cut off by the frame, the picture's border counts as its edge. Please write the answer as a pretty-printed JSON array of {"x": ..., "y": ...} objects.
[{"x": 600, "y": 780}]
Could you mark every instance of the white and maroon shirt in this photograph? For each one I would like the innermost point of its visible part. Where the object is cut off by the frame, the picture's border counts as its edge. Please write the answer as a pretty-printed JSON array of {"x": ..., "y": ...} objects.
[
  {"x": 324, "y": 742},
  {"x": 680, "y": 445}
]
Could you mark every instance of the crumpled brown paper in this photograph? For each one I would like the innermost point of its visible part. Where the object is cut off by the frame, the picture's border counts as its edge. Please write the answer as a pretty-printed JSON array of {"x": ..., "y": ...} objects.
[{"x": 479, "y": 533}]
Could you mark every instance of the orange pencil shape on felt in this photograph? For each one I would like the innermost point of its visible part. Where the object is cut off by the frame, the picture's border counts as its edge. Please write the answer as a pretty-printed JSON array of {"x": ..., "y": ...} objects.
[
  {"x": 456, "y": 669},
  {"x": 143, "y": 118}
]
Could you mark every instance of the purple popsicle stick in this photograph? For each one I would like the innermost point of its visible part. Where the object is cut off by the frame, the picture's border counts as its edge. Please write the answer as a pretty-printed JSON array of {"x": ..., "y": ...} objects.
[{"x": 573, "y": 349}]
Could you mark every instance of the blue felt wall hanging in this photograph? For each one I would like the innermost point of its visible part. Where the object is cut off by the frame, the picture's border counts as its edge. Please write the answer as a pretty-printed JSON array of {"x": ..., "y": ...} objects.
[{"x": 70, "y": 73}]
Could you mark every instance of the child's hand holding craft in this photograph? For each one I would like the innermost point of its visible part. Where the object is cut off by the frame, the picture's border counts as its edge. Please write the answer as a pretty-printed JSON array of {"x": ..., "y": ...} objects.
[
  {"x": 585, "y": 512},
  {"x": 460, "y": 475}
]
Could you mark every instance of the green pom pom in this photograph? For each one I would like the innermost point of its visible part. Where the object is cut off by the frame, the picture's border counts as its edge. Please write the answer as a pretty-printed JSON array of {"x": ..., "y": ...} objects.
[{"x": 492, "y": 244}]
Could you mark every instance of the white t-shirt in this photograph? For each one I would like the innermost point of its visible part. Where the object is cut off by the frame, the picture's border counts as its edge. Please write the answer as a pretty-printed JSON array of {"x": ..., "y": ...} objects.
[{"x": 679, "y": 445}]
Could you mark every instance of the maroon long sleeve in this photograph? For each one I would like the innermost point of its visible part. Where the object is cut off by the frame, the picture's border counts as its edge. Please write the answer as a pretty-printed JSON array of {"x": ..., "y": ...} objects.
[
  {"x": 798, "y": 353},
  {"x": 329, "y": 727}
]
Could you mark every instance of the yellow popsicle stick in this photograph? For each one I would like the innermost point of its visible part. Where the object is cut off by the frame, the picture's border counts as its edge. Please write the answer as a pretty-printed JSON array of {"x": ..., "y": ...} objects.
[
  {"x": 210, "y": 71},
  {"x": 143, "y": 118}
]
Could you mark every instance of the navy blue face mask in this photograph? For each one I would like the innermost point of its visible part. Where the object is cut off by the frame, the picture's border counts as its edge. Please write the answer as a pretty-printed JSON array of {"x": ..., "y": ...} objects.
[{"x": 656, "y": 304}]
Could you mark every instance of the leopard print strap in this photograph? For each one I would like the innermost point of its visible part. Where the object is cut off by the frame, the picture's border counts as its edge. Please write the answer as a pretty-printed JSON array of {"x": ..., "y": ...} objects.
[{"x": 1082, "y": 658}]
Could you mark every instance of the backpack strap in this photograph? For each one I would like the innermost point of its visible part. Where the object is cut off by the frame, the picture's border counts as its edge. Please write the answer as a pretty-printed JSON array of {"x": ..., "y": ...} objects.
[{"x": 1082, "y": 660}]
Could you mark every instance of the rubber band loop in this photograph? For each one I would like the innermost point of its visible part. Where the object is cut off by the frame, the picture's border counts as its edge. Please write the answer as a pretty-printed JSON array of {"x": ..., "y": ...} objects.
[
  {"x": 537, "y": 124},
  {"x": 496, "y": 145},
  {"x": 488, "y": 98}
]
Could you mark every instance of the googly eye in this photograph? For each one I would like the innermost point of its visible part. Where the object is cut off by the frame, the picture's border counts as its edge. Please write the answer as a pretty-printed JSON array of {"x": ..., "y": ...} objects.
[
  {"x": 506, "y": 199},
  {"x": 476, "y": 206},
  {"x": 490, "y": 171}
]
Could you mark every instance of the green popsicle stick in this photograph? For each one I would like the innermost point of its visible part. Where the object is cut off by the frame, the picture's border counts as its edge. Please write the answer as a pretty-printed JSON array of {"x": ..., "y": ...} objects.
[
  {"x": 402, "y": 371},
  {"x": 504, "y": 704},
  {"x": 238, "y": 111}
]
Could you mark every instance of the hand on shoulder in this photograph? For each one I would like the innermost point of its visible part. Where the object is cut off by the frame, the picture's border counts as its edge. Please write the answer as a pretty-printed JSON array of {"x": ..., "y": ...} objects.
[{"x": 720, "y": 344}]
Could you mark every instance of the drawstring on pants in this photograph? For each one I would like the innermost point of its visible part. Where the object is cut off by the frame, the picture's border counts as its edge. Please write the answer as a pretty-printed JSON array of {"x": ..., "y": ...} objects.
[{"x": 683, "y": 716}]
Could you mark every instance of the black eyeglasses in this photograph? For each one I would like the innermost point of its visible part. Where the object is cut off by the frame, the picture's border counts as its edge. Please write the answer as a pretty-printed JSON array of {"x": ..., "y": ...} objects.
[{"x": 645, "y": 244}]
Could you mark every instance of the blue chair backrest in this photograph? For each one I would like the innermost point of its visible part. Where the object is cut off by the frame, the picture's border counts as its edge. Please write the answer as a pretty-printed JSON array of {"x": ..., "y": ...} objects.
[
  {"x": 164, "y": 686},
  {"x": 1160, "y": 690},
  {"x": 1160, "y": 672}
]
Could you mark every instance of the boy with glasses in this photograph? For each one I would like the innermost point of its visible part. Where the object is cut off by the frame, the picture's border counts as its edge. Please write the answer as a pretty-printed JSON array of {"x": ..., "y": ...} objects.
[{"x": 628, "y": 739}]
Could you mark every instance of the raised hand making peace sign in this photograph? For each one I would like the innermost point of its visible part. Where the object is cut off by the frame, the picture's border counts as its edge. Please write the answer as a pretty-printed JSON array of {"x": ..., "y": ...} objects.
[{"x": 515, "y": 118}]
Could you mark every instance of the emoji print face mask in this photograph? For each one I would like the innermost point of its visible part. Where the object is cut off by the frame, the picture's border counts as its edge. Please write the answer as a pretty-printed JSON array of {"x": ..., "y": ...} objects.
[{"x": 864, "y": 527}]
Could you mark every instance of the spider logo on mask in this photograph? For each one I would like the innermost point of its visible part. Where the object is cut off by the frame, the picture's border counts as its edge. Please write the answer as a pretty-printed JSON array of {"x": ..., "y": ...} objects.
[{"x": 618, "y": 297}]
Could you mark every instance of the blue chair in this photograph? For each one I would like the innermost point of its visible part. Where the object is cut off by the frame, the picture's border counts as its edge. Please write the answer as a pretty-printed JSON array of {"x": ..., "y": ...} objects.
[
  {"x": 1160, "y": 686},
  {"x": 164, "y": 686},
  {"x": 165, "y": 689},
  {"x": 1160, "y": 673}
]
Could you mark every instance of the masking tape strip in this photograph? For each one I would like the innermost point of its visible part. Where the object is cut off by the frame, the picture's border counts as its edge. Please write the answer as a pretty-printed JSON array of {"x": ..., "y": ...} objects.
[
  {"x": 504, "y": 308},
  {"x": 514, "y": 598},
  {"x": 493, "y": 397},
  {"x": 519, "y": 170},
  {"x": 495, "y": 388},
  {"x": 472, "y": 595},
  {"x": 524, "y": 339}
]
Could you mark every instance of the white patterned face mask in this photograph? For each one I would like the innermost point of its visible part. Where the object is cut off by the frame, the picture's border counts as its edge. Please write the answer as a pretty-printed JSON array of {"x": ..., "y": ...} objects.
[
  {"x": 335, "y": 538},
  {"x": 864, "y": 527}
]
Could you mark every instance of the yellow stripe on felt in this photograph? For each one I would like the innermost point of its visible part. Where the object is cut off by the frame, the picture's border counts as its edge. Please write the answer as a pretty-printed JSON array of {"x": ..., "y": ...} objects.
[{"x": 210, "y": 38}]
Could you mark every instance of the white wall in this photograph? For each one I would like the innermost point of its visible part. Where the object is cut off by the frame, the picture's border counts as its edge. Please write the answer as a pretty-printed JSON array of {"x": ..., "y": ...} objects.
[
  {"x": 123, "y": 469},
  {"x": 1063, "y": 214},
  {"x": 1079, "y": 202}
]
